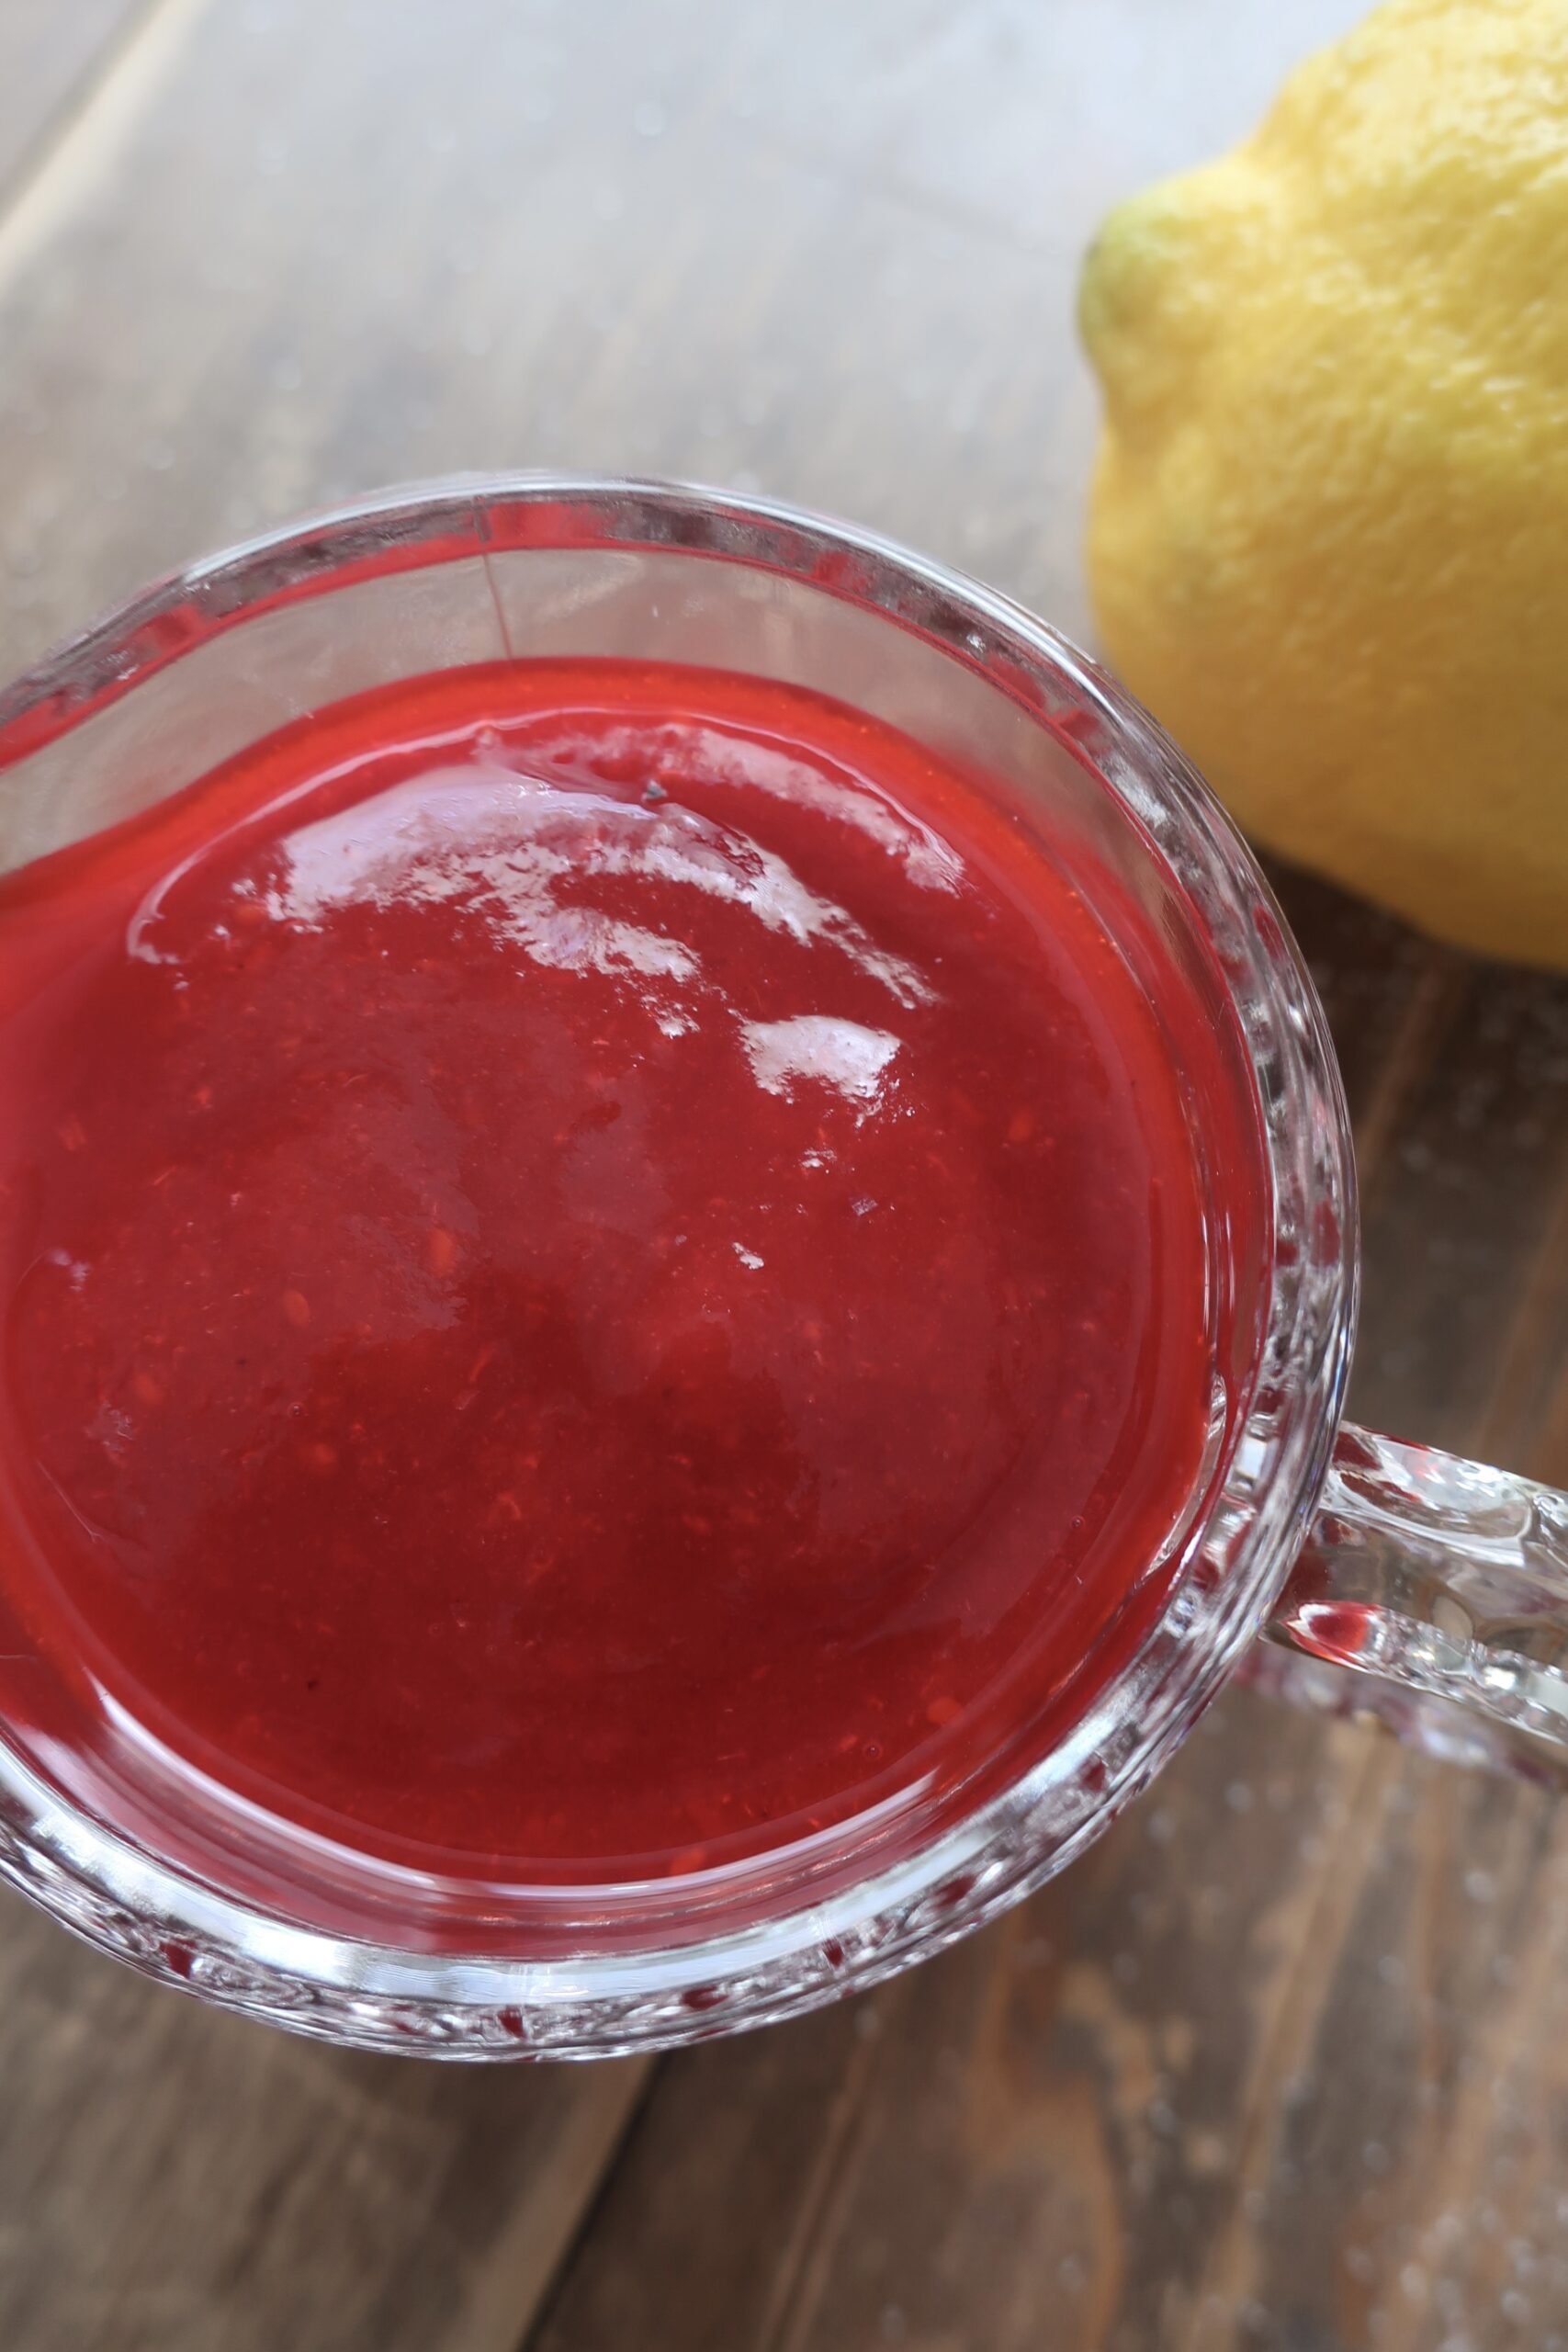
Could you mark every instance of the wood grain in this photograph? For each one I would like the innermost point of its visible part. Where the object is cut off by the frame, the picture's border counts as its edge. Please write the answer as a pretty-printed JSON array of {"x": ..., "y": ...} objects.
[
  {"x": 1283, "y": 2062},
  {"x": 175, "y": 2181}
]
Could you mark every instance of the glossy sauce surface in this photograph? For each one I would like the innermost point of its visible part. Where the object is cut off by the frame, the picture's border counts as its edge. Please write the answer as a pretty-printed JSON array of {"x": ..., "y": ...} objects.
[{"x": 601, "y": 1267}]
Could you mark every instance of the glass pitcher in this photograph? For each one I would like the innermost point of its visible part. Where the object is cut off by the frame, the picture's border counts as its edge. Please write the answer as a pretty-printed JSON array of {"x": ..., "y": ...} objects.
[{"x": 1333, "y": 1565}]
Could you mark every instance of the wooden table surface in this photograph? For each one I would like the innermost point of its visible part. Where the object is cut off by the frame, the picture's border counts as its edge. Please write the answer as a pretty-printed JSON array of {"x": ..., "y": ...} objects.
[{"x": 1285, "y": 2062}]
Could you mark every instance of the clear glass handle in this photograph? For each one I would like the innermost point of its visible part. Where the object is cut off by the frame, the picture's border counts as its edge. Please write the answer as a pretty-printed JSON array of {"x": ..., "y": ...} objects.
[{"x": 1432, "y": 1594}]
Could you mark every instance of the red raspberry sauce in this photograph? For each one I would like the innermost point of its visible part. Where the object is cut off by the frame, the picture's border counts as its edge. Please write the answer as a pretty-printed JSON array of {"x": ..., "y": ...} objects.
[{"x": 603, "y": 1266}]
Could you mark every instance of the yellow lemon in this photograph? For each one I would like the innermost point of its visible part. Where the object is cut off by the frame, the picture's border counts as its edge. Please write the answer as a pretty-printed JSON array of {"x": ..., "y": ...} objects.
[{"x": 1328, "y": 538}]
